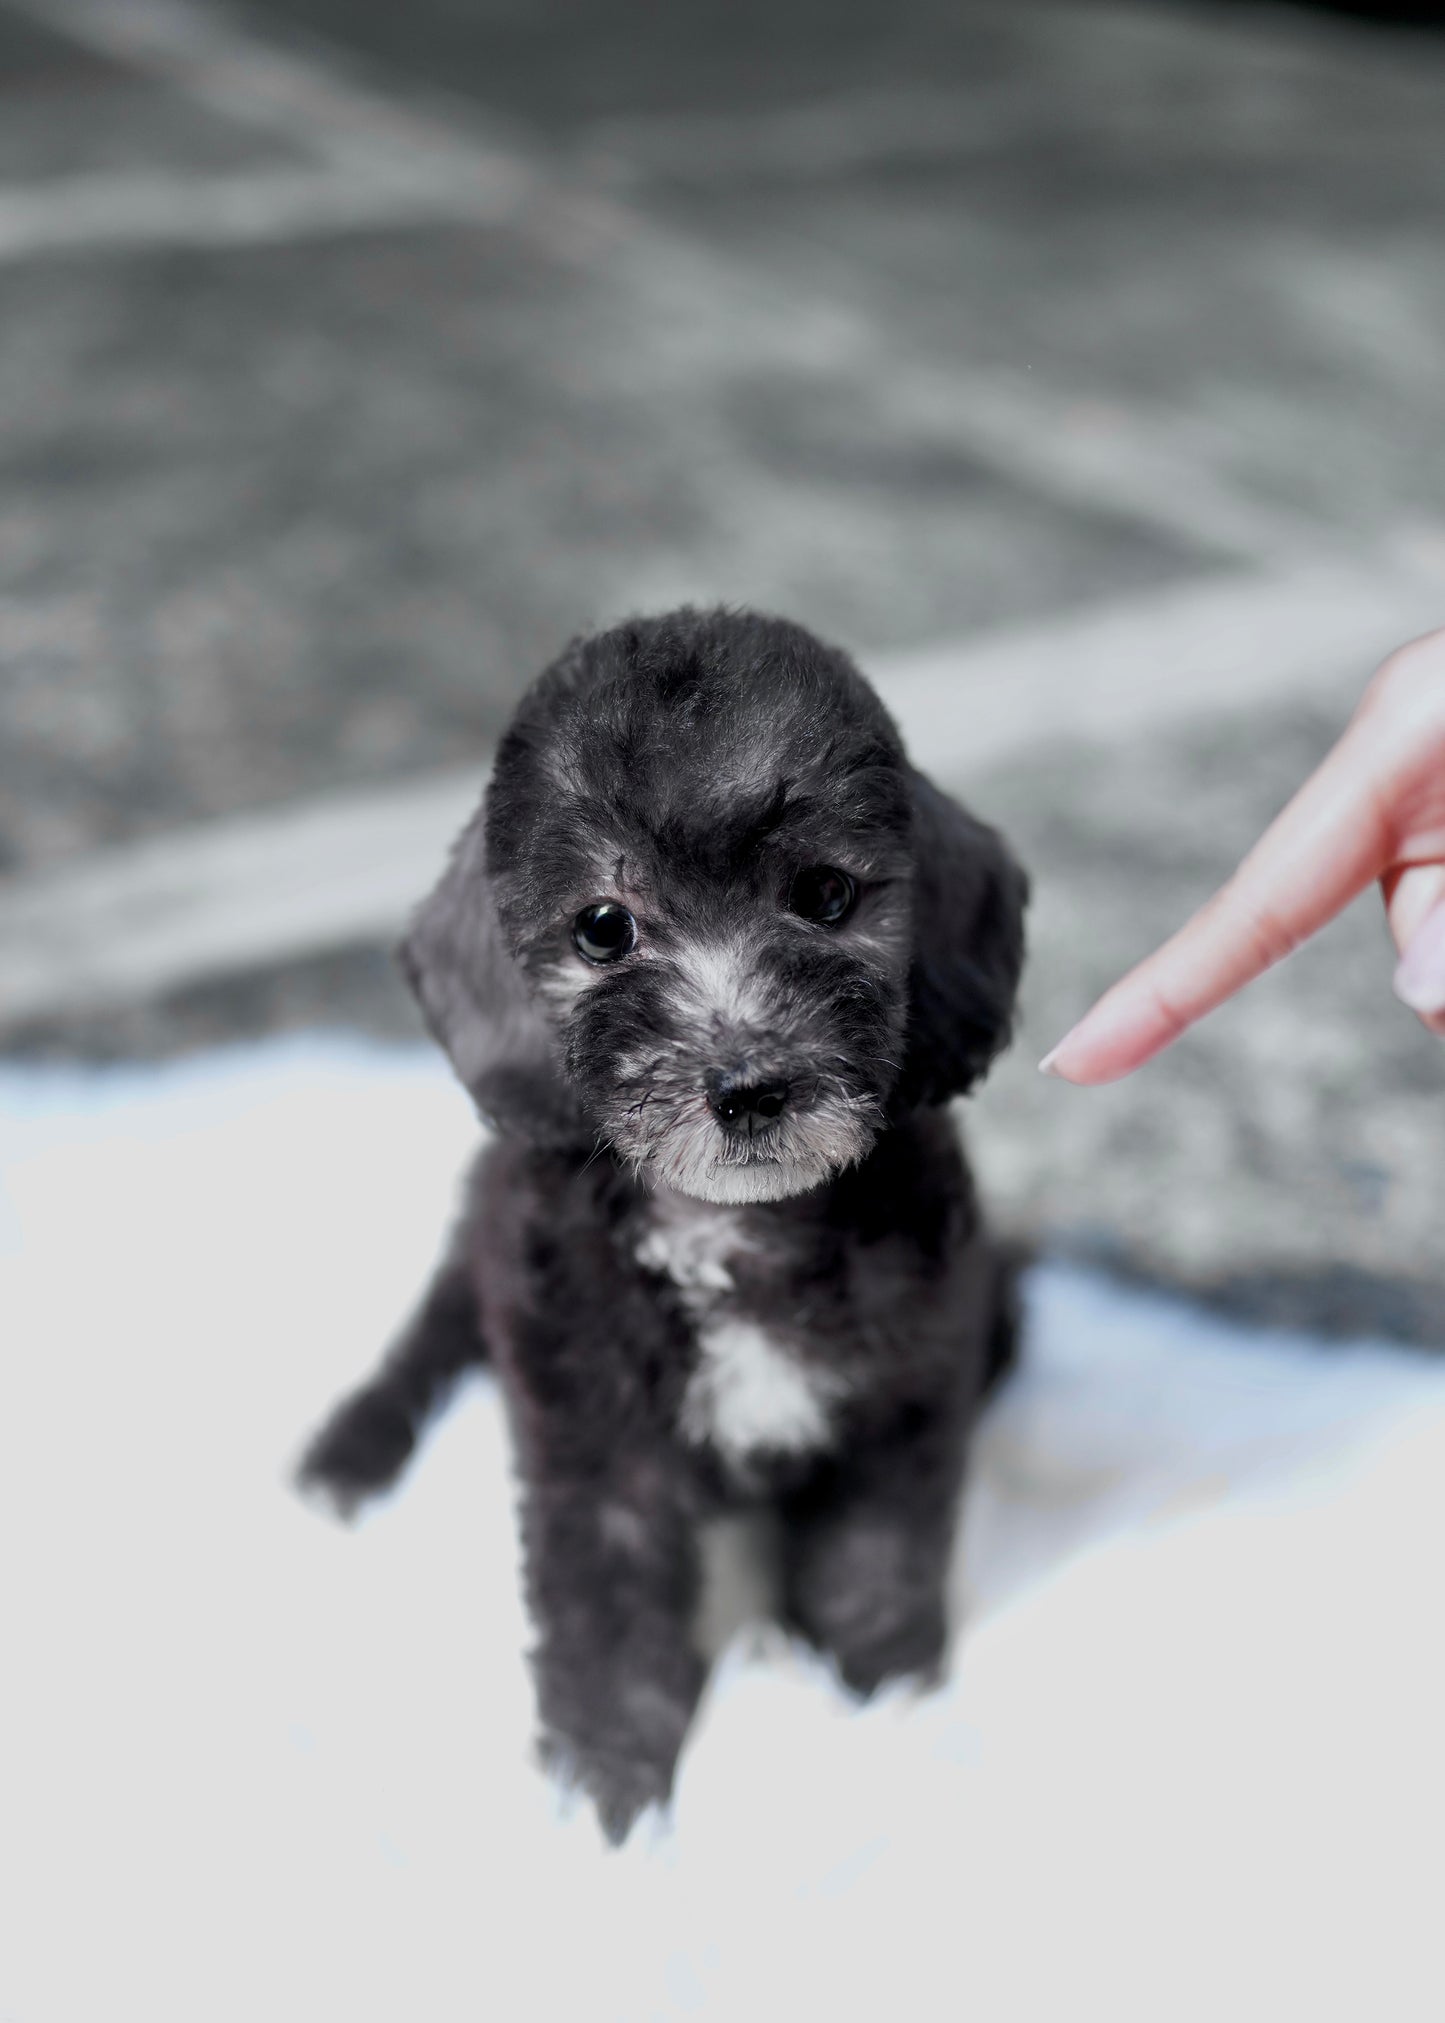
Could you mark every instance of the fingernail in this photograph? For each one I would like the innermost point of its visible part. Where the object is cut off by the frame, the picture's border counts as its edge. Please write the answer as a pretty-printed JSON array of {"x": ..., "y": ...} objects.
[
  {"x": 1420, "y": 978},
  {"x": 1046, "y": 1065}
]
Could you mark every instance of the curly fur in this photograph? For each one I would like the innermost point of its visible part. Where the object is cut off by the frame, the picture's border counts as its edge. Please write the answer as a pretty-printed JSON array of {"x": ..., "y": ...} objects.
[{"x": 683, "y": 1315}]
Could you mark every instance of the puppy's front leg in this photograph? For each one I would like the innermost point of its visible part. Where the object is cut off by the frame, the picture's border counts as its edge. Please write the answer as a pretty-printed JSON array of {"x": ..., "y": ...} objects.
[
  {"x": 368, "y": 1439},
  {"x": 612, "y": 1576},
  {"x": 866, "y": 1549}
]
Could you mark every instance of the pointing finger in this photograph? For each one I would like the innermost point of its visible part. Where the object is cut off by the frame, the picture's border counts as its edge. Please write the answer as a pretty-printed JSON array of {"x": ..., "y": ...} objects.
[{"x": 1332, "y": 840}]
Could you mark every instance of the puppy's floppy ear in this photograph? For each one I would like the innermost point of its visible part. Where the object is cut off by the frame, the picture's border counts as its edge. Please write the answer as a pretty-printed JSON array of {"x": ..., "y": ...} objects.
[
  {"x": 477, "y": 1003},
  {"x": 968, "y": 948}
]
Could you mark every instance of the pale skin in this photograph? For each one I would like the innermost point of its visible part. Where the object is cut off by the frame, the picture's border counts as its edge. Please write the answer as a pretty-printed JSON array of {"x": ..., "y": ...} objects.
[{"x": 1374, "y": 813}]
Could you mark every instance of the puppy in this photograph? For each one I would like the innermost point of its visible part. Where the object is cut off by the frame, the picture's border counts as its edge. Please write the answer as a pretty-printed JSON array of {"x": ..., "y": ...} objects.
[{"x": 709, "y": 959}]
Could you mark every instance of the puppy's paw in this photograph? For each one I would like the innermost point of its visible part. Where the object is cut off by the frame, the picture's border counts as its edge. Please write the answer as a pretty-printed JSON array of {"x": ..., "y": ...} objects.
[
  {"x": 360, "y": 1451},
  {"x": 886, "y": 1651},
  {"x": 920, "y": 1664},
  {"x": 621, "y": 1785}
]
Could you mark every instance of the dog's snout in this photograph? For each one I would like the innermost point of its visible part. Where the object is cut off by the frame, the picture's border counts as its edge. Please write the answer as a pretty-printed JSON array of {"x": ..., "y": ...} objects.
[{"x": 748, "y": 1107}]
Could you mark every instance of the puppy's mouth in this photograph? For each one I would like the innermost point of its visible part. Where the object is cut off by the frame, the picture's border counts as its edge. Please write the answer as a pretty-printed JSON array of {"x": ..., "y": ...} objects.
[
  {"x": 760, "y": 1178},
  {"x": 760, "y": 1170}
]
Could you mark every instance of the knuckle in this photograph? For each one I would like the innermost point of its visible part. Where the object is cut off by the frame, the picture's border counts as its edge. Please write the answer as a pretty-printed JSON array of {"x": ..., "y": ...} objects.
[
  {"x": 1170, "y": 1016},
  {"x": 1263, "y": 932}
]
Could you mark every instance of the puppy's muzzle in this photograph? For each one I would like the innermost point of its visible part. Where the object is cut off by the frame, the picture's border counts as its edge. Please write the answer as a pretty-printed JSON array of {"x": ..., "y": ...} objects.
[{"x": 748, "y": 1109}]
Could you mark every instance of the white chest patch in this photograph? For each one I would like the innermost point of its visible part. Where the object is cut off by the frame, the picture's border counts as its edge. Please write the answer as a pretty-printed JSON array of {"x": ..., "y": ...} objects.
[{"x": 748, "y": 1392}]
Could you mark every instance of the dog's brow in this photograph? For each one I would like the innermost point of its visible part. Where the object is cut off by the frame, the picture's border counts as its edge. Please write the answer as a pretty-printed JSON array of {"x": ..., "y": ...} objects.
[{"x": 766, "y": 815}]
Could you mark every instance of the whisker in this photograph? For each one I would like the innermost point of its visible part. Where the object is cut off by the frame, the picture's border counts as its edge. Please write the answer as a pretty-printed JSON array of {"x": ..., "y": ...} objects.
[{"x": 597, "y": 1150}]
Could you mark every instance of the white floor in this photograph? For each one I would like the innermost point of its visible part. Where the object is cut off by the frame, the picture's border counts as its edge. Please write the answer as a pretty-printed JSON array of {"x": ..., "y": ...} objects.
[{"x": 1191, "y": 1761}]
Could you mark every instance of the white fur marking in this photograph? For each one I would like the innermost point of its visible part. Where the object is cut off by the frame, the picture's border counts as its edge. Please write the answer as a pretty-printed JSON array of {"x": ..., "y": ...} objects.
[
  {"x": 693, "y": 1249},
  {"x": 748, "y": 1393},
  {"x": 719, "y": 981},
  {"x": 564, "y": 984}
]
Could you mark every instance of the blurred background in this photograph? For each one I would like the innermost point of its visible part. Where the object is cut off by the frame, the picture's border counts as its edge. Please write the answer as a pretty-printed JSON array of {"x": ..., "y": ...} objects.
[{"x": 1081, "y": 367}]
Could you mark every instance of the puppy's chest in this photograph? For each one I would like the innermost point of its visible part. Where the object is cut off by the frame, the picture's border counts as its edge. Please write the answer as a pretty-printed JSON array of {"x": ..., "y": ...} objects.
[{"x": 749, "y": 1393}]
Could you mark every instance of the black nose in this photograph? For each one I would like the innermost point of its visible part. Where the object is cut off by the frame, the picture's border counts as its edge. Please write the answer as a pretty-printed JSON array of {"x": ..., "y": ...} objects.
[{"x": 748, "y": 1108}]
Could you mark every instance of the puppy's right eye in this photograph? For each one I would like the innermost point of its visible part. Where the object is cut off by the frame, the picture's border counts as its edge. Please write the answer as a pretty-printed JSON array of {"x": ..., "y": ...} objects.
[
  {"x": 604, "y": 932},
  {"x": 820, "y": 893}
]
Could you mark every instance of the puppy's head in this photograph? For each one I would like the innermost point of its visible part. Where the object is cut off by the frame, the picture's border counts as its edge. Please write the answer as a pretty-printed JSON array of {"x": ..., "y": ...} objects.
[{"x": 710, "y": 915}]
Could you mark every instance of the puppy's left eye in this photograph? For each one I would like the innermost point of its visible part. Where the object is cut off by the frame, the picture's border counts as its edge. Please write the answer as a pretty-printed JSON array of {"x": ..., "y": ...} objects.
[
  {"x": 820, "y": 893},
  {"x": 604, "y": 932}
]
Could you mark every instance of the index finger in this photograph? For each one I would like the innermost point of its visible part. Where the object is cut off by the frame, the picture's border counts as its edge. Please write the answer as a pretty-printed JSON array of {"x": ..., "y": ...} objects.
[{"x": 1331, "y": 841}]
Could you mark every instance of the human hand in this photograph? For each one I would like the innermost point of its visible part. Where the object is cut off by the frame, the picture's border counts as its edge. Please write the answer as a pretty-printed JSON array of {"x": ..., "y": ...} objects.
[{"x": 1375, "y": 809}]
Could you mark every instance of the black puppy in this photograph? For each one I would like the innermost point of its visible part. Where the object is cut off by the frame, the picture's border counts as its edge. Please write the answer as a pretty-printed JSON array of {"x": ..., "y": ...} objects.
[{"x": 709, "y": 959}]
